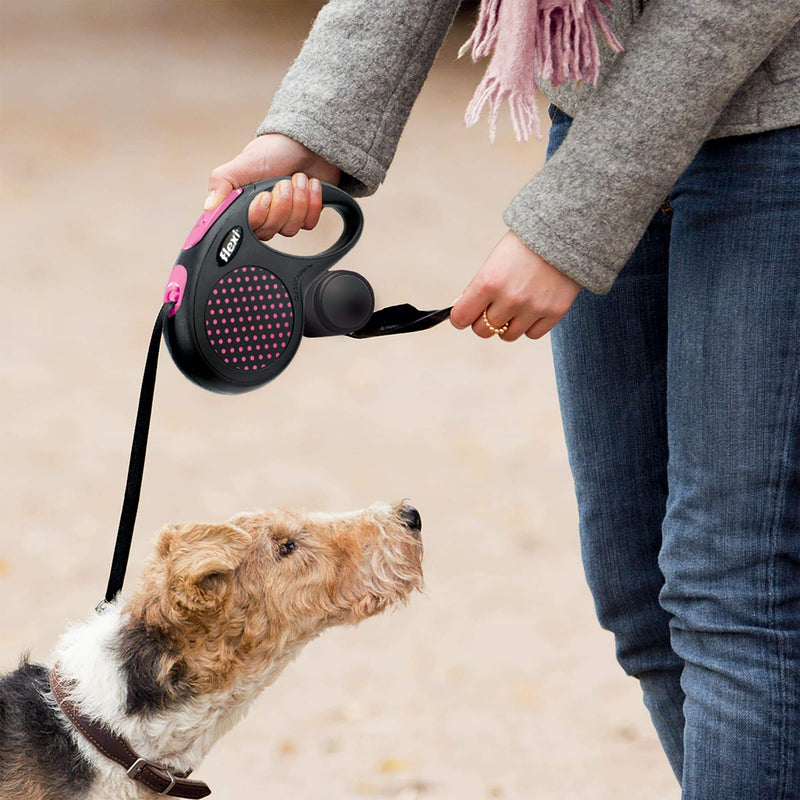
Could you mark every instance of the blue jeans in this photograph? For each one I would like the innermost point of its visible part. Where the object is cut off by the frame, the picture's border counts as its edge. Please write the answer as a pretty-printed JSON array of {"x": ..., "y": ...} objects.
[{"x": 680, "y": 395}]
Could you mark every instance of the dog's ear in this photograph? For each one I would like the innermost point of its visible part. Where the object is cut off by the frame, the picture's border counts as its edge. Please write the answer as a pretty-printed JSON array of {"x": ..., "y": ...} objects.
[{"x": 200, "y": 561}]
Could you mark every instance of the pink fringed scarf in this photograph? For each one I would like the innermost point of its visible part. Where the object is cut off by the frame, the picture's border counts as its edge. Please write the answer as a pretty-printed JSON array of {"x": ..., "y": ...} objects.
[{"x": 533, "y": 41}]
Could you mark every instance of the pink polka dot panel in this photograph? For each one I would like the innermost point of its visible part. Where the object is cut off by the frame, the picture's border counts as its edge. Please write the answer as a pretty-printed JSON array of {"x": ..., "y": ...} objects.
[{"x": 249, "y": 318}]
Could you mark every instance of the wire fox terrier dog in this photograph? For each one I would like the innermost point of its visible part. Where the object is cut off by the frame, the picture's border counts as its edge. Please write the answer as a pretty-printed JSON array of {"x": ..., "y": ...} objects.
[{"x": 140, "y": 693}]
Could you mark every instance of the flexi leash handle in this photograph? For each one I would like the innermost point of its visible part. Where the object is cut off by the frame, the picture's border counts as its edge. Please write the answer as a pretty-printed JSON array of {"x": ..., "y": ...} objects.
[
  {"x": 241, "y": 309},
  {"x": 133, "y": 485}
]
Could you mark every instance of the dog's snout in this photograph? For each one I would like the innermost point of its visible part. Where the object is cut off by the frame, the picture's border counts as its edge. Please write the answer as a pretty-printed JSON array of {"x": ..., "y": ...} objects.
[{"x": 410, "y": 517}]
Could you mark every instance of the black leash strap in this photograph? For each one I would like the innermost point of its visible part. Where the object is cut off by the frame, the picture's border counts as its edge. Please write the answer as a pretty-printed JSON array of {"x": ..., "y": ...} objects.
[
  {"x": 395, "y": 319},
  {"x": 133, "y": 486},
  {"x": 400, "y": 319}
]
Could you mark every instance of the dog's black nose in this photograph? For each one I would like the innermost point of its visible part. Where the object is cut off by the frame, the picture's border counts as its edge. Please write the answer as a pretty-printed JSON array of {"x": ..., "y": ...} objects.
[{"x": 411, "y": 517}]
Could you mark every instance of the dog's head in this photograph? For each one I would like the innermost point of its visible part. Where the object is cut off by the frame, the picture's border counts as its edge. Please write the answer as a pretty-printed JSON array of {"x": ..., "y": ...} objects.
[{"x": 232, "y": 603}]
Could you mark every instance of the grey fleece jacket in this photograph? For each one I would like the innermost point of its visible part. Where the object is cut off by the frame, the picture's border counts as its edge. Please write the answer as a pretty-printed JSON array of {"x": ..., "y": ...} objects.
[{"x": 691, "y": 70}]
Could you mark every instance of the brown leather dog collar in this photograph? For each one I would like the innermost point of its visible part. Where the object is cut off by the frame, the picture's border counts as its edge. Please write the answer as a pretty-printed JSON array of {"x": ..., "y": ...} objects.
[{"x": 154, "y": 776}]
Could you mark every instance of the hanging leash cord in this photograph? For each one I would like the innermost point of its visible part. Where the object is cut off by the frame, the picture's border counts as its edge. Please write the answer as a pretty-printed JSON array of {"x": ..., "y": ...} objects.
[
  {"x": 396, "y": 319},
  {"x": 133, "y": 485}
]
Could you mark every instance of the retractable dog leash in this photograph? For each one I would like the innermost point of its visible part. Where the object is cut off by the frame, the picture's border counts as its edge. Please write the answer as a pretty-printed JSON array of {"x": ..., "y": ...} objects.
[{"x": 234, "y": 313}]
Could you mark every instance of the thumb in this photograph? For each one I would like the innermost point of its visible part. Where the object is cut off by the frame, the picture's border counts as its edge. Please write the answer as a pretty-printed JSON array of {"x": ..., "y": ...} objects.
[{"x": 237, "y": 172}]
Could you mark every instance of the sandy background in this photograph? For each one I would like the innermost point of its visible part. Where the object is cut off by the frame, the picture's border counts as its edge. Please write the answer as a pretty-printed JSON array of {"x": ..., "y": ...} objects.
[{"x": 497, "y": 683}]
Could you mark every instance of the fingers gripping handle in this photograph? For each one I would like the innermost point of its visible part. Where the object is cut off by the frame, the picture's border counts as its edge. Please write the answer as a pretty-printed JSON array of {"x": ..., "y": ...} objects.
[
  {"x": 332, "y": 197},
  {"x": 233, "y": 211}
]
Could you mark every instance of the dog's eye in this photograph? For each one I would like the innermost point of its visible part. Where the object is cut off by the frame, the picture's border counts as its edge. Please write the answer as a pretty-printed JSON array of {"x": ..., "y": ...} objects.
[{"x": 287, "y": 547}]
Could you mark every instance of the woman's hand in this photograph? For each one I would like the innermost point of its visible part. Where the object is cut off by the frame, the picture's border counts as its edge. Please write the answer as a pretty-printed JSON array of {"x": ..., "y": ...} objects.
[
  {"x": 292, "y": 205},
  {"x": 517, "y": 287}
]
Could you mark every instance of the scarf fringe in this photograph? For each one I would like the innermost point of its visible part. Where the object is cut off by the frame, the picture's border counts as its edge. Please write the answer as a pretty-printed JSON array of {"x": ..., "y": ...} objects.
[
  {"x": 533, "y": 41},
  {"x": 484, "y": 35},
  {"x": 524, "y": 113}
]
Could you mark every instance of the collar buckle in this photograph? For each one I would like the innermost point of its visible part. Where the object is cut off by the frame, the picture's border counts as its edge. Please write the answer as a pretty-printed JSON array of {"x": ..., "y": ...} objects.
[{"x": 142, "y": 763}]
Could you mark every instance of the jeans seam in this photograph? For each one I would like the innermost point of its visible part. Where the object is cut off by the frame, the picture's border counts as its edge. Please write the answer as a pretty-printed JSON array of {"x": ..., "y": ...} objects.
[{"x": 782, "y": 479}]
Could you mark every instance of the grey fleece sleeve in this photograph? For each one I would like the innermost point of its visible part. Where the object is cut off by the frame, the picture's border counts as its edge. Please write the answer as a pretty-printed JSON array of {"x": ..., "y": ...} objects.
[
  {"x": 349, "y": 93},
  {"x": 589, "y": 206}
]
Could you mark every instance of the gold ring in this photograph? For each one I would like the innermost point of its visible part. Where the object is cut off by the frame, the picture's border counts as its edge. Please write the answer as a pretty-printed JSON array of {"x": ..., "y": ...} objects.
[{"x": 498, "y": 331}]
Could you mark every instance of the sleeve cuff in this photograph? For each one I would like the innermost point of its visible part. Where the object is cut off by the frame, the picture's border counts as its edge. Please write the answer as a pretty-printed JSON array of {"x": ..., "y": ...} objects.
[
  {"x": 565, "y": 255},
  {"x": 362, "y": 173}
]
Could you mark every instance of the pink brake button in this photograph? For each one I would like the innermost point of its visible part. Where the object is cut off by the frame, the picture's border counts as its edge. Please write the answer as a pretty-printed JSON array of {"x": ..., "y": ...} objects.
[
  {"x": 206, "y": 220},
  {"x": 176, "y": 286}
]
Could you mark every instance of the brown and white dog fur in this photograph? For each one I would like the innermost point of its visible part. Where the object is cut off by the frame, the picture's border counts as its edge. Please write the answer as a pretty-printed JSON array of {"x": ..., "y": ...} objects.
[{"x": 219, "y": 612}]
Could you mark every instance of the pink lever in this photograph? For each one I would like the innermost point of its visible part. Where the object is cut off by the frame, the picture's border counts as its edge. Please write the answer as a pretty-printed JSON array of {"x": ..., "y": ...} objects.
[{"x": 206, "y": 220}]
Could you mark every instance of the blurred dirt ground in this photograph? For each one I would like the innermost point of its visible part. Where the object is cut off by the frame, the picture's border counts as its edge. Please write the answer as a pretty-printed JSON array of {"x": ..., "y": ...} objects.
[{"x": 497, "y": 682}]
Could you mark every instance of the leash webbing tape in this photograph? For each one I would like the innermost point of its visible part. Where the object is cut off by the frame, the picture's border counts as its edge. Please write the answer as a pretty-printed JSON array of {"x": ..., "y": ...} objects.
[
  {"x": 403, "y": 318},
  {"x": 133, "y": 485}
]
